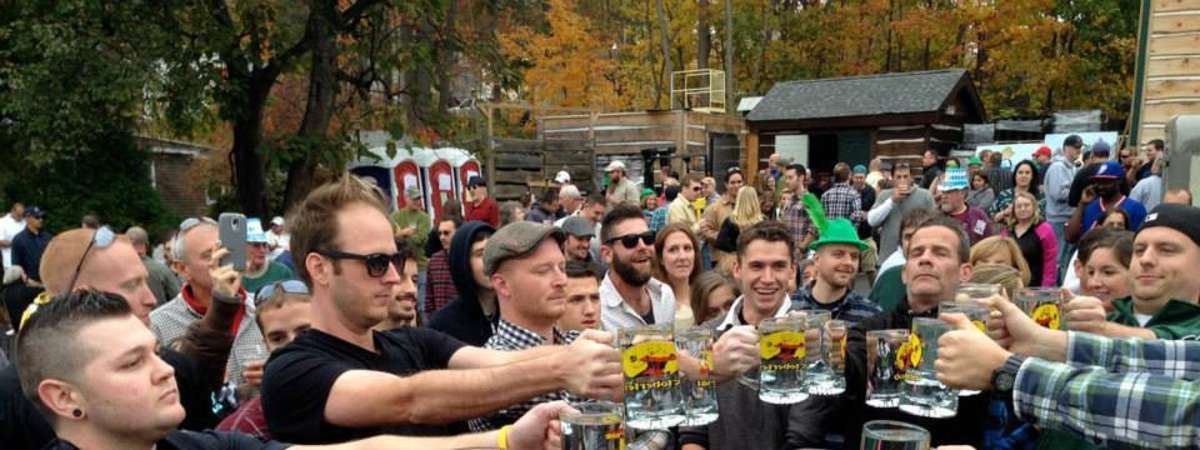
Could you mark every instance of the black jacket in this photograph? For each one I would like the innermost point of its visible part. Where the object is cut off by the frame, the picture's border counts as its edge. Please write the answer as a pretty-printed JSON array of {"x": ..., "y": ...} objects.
[
  {"x": 966, "y": 428},
  {"x": 463, "y": 318}
]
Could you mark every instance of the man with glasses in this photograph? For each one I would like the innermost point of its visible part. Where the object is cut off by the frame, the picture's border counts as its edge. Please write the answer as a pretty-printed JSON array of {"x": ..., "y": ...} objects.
[
  {"x": 260, "y": 270},
  {"x": 341, "y": 380},
  {"x": 631, "y": 297},
  {"x": 718, "y": 211},
  {"x": 441, "y": 290},
  {"x": 681, "y": 210},
  {"x": 194, "y": 247}
]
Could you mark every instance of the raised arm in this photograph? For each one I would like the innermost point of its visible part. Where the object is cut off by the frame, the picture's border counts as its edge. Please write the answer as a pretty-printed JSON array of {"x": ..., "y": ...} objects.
[{"x": 1174, "y": 359}]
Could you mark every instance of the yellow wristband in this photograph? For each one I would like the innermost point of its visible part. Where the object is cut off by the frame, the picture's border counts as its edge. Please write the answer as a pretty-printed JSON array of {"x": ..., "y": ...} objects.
[{"x": 502, "y": 439}]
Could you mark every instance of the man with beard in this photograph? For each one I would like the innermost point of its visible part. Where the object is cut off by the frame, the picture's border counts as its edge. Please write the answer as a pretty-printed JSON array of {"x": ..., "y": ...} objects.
[
  {"x": 631, "y": 297},
  {"x": 937, "y": 263},
  {"x": 578, "y": 247},
  {"x": 620, "y": 188},
  {"x": 402, "y": 311},
  {"x": 1106, "y": 184},
  {"x": 953, "y": 203},
  {"x": 341, "y": 380}
]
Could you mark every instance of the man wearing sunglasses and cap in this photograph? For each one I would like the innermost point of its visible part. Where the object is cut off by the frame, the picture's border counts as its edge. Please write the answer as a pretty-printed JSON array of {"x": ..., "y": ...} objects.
[
  {"x": 341, "y": 380},
  {"x": 101, "y": 260},
  {"x": 260, "y": 270}
]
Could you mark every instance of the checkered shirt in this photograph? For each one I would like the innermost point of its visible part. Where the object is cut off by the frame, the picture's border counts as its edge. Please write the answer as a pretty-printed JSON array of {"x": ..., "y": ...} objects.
[
  {"x": 852, "y": 307},
  {"x": 659, "y": 219},
  {"x": 510, "y": 337},
  {"x": 795, "y": 217},
  {"x": 842, "y": 201},
  {"x": 439, "y": 290},
  {"x": 1116, "y": 393}
]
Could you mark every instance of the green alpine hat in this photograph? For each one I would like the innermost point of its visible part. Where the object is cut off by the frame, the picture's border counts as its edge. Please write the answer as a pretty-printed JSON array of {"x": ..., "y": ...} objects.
[
  {"x": 839, "y": 231},
  {"x": 975, "y": 161}
]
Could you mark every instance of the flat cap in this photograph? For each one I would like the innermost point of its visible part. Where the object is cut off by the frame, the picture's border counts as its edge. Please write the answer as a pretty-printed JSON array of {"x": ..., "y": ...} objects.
[
  {"x": 516, "y": 240},
  {"x": 579, "y": 226}
]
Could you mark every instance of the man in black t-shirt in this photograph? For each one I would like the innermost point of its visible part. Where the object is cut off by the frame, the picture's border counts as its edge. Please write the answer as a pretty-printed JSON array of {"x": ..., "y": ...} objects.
[
  {"x": 342, "y": 381},
  {"x": 95, "y": 373}
]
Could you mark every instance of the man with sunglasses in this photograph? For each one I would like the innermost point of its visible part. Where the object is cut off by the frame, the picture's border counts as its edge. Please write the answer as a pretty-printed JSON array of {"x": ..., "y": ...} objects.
[
  {"x": 631, "y": 297},
  {"x": 718, "y": 211},
  {"x": 341, "y": 380},
  {"x": 194, "y": 248},
  {"x": 440, "y": 290},
  {"x": 681, "y": 209},
  {"x": 101, "y": 260}
]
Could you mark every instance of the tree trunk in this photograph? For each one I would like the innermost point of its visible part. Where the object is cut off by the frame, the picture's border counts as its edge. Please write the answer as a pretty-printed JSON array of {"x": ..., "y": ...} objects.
[
  {"x": 248, "y": 166},
  {"x": 666, "y": 44},
  {"x": 447, "y": 49},
  {"x": 322, "y": 91},
  {"x": 730, "y": 92},
  {"x": 703, "y": 36}
]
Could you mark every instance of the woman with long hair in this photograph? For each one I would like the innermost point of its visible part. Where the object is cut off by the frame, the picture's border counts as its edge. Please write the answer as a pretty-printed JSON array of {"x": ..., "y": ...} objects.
[
  {"x": 1035, "y": 238},
  {"x": 712, "y": 296},
  {"x": 746, "y": 212},
  {"x": 1025, "y": 179},
  {"x": 1116, "y": 218},
  {"x": 677, "y": 264},
  {"x": 1000, "y": 250},
  {"x": 1103, "y": 264}
]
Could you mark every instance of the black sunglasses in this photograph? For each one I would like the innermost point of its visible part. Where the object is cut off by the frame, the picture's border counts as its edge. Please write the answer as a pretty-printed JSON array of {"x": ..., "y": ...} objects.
[
  {"x": 377, "y": 263},
  {"x": 631, "y": 240}
]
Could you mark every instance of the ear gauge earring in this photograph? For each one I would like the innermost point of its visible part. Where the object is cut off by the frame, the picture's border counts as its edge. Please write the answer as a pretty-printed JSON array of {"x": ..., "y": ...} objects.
[{"x": 77, "y": 413}]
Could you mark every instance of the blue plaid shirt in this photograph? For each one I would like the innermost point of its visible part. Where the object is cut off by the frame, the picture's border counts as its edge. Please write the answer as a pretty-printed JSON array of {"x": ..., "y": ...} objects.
[
  {"x": 659, "y": 219},
  {"x": 510, "y": 337},
  {"x": 852, "y": 307},
  {"x": 842, "y": 201},
  {"x": 1116, "y": 393}
]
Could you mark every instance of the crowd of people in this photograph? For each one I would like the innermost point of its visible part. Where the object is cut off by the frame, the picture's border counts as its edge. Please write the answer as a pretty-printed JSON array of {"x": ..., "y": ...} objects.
[{"x": 353, "y": 326}]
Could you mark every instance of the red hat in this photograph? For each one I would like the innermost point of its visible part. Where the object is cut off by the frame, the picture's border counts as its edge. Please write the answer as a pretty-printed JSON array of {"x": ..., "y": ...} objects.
[{"x": 1042, "y": 151}]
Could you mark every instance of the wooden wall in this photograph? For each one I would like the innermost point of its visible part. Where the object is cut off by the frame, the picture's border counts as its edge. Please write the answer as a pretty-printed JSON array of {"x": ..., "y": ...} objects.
[
  {"x": 1170, "y": 65},
  {"x": 629, "y": 133}
]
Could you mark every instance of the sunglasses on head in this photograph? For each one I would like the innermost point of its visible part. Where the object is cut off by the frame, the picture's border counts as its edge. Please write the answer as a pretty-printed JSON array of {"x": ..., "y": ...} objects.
[
  {"x": 631, "y": 240},
  {"x": 102, "y": 238},
  {"x": 377, "y": 263},
  {"x": 295, "y": 287}
]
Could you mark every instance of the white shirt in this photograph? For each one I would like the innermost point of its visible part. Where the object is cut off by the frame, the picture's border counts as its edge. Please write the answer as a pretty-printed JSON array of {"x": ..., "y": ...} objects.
[
  {"x": 895, "y": 259},
  {"x": 1070, "y": 279},
  {"x": 278, "y": 243},
  {"x": 615, "y": 314},
  {"x": 9, "y": 228},
  {"x": 732, "y": 319}
]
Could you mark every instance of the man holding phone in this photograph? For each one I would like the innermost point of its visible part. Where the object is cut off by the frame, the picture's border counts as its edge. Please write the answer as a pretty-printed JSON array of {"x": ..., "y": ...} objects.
[
  {"x": 194, "y": 246},
  {"x": 893, "y": 205}
]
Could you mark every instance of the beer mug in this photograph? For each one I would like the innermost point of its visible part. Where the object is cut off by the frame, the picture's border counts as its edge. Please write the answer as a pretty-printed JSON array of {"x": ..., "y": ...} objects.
[
  {"x": 833, "y": 355},
  {"x": 653, "y": 396},
  {"x": 892, "y": 435},
  {"x": 592, "y": 426},
  {"x": 1043, "y": 305},
  {"x": 923, "y": 395},
  {"x": 971, "y": 292},
  {"x": 886, "y": 366},
  {"x": 782, "y": 345},
  {"x": 977, "y": 314},
  {"x": 819, "y": 377},
  {"x": 699, "y": 388}
]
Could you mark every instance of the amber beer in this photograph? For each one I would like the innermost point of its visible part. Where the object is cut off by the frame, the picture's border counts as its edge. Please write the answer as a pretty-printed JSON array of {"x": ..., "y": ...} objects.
[{"x": 653, "y": 391}]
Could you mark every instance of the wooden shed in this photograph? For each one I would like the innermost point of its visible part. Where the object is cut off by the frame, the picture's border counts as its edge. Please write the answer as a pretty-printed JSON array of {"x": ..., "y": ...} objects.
[
  {"x": 853, "y": 119},
  {"x": 1167, "y": 81}
]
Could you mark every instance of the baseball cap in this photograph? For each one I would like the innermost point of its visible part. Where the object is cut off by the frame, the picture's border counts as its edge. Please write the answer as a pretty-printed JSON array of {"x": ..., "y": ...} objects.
[
  {"x": 562, "y": 177},
  {"x": 579, "y": 227},
  {"x": 1043, "y": 151},
  {"x": 615, "y": 165},
  {"x": 569, "y": 191},
  {"x": 955, "y": 179},
  {"x": 278, "y": 220},
  {"x": 860, "y": 169},
  {"x": 1109, "y": 170},
  {"x": 34, "y": 211},
  {"x": 1074, "y": 141},
  {"x": 413, "y": 192},
  {"x": 1101, "y": 148},
  {"x": 254, "y": 231},
  {"x": 1182, "y": 218},
  {"x": 516, "y": 240},
  {"x": 475, "y": 182}
]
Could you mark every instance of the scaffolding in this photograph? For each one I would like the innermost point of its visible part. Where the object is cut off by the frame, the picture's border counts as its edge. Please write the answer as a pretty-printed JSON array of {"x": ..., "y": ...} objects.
[{"x": 701, "y": 90}]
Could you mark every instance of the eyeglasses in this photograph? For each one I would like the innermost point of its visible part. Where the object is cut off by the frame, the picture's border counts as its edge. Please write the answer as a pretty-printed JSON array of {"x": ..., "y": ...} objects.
[
  {"x": 192, "y": 222},
  {"x": 631, "y": 240},
  {"x": 377, "y": 263},
  {"x": 296, "y": 287},
  {"x": 102, "y": 238}
]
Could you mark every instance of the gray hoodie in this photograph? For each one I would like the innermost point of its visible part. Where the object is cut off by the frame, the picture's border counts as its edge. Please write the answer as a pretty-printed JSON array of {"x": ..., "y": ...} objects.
[{"x": 1058, "y": 188}]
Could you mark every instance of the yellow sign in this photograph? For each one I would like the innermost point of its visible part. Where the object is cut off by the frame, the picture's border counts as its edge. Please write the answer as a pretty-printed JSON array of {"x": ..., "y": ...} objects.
[
  {"x": 650, "y": 359},
  {"x": 782, "y": 345},
  {"x": 909, "y": 354}
]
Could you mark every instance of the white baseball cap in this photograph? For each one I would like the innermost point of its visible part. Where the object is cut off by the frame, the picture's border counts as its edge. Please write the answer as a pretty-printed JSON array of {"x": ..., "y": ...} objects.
[
  {"x": 562, "y": 177},
  {"x": 277, "y": 221},
  {"x": 615, "y": 165}
]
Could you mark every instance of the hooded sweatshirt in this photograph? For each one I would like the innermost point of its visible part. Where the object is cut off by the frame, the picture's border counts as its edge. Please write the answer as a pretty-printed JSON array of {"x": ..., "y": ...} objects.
[{"x": 463, "y": 318}]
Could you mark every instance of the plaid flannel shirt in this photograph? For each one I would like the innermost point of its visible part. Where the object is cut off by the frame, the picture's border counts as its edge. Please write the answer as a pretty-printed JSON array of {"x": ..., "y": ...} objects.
[
  {"x": 1116, "y": 393},
  {"x": 440, "y": 290},
  {"x": 842, "y": 201},
  {"x": 659, "y": 219},
  {"x": 510, "y": 337},
  {"x": 795, "y": 217}
]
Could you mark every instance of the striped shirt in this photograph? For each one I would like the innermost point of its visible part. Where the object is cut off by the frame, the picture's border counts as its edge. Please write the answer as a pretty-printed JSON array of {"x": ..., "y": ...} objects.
[
  {"x": 510, "y": 337},
  {"x": 852, "y": 307}
]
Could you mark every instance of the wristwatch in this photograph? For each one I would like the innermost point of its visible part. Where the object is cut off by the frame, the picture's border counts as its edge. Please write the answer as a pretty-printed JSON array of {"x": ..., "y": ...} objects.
[{"x": 1005, "y": 377}]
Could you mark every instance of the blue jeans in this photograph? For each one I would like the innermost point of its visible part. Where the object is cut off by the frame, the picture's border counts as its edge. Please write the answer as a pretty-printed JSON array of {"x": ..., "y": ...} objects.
[{"x": 1065, "y": 249}]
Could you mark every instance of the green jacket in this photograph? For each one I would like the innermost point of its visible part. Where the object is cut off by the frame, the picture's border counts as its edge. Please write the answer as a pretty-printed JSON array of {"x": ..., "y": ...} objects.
[
  {"x": 889, "y": 290},
  {"x": 416, "y": 242},
  {"x": 1178, "y": 319}
]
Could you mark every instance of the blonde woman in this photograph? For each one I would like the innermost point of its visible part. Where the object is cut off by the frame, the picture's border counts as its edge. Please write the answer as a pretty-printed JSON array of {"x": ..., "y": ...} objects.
[
  {"x": 1006, "y": 276},
  {"x": 746, "y": 212},
  {"x": 1000, "y": 250},
  {"x": 1035, "y": 238}
]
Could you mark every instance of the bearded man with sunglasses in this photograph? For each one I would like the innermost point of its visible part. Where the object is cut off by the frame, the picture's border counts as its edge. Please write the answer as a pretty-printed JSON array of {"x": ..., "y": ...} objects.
[
  {"x": 341, "y": 380},
  {"x": 629, "y": 295}
]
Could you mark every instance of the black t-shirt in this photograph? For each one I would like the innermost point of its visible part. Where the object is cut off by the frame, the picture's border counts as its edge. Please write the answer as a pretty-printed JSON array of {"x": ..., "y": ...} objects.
[
  {"x": 192, "y": 440},
  {"x": 300, "y": 377},
  {"x": 23, "y": 426}
]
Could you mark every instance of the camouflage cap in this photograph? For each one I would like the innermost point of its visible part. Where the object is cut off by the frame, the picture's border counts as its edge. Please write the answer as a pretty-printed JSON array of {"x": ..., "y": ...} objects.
[{"x": 516, "y": 240}]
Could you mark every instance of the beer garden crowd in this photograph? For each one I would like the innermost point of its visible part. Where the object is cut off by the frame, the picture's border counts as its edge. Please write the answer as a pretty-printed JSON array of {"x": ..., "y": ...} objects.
[{"x": 355, "y": 327}]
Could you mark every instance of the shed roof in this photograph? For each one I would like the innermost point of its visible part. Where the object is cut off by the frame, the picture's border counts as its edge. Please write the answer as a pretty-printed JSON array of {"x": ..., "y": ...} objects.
[{"x": 868, "y": 95}]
